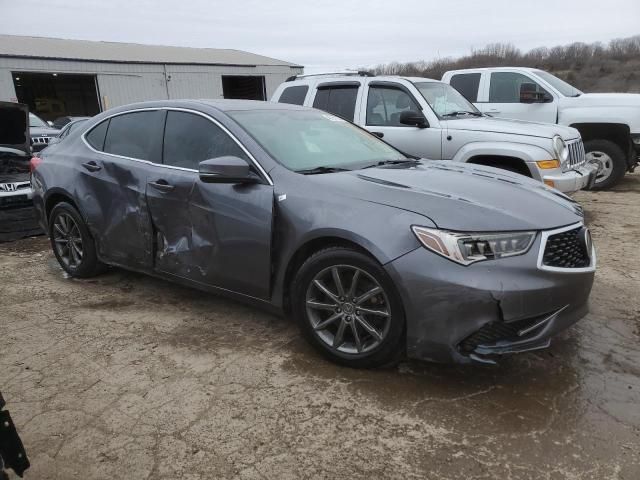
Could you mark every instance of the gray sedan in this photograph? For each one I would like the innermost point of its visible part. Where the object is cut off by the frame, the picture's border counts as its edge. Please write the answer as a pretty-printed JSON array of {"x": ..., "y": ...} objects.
[{"x": 375, "y": 254}]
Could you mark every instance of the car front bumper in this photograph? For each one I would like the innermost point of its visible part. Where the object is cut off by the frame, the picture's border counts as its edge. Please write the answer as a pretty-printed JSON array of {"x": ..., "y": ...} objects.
[
  {"x": 572, "y": 180},
  {"x": 474, "y": 313}
]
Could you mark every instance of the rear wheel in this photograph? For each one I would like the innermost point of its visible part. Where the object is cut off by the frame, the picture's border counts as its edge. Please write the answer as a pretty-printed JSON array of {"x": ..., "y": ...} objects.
[
  {"x": 611, "y": 162},
  {"x": 72, "y": 243},
  {"x": 346, "y": 306}
]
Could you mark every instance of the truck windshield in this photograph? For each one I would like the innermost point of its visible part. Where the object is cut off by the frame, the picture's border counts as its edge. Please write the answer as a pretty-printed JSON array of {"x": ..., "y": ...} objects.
[
  {"x": 446, "y": 101},
  {"x": 310, "y": 141},
  {"x": 560, "y": 85}
]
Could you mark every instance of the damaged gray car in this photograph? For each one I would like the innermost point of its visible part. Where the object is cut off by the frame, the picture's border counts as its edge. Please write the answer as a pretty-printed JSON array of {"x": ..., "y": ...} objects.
[{"x": 374, "y": 253}]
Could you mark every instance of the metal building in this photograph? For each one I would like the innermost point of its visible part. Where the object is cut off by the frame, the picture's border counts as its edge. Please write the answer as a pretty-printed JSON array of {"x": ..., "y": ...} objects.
[{"x": 58, "y": 77}]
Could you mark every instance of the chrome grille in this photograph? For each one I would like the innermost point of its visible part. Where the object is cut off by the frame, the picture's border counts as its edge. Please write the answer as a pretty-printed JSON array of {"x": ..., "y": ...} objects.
[
  {"x": 40, "y": 140},
  {"x": 576, "y": 153}
]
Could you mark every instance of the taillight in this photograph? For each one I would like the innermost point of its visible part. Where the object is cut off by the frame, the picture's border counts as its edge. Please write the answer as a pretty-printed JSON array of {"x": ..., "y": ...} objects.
[{"x": 34, "y": 163}]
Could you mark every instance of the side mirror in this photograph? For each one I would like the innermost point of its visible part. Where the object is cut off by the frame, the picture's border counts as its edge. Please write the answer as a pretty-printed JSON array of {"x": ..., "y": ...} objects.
[
  {"x": 529, "y": 94},
  {"x": 50, "y": 123},
  {"x": 414, "y": 119},
  {"x": 226, "y": 170}
]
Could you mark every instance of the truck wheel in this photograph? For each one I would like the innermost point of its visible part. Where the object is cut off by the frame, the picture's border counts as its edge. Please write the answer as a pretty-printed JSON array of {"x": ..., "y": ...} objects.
[{"x": 610, "y": 159}]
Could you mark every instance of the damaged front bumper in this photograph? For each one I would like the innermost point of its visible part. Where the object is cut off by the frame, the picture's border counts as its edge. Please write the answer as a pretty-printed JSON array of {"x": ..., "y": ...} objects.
[{"x": 475, "y": 313}]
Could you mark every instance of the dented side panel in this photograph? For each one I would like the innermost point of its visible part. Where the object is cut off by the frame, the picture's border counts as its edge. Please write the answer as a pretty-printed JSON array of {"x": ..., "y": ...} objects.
[
  {"x": 214, "y": 234},
  {"x": 115, "y": 206}
]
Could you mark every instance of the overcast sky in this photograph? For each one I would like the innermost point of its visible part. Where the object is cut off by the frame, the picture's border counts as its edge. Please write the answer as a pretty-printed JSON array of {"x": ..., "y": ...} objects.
[{"x": 328, "y": 34}]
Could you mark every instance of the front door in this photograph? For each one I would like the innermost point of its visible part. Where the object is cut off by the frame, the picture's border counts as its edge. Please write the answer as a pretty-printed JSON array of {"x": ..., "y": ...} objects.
[
  {"x": 211, "y": 233},
  {"x": 384, "y": 106},
  {"x": 504, "y": 99}
]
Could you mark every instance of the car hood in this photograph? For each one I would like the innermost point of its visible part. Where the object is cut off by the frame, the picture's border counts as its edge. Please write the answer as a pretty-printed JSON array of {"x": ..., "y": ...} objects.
[
  {"x": 603, "y": 100},
  {"x": 14, "y": 129},
  {"x": 43, "y": 132},
  {"x": 512, "y": 127},
  {"x": 459, "y": 197}
]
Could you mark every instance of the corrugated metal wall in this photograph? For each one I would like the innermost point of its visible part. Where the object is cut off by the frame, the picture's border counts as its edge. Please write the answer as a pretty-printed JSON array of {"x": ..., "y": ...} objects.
[{"x": 121, "y": 83}]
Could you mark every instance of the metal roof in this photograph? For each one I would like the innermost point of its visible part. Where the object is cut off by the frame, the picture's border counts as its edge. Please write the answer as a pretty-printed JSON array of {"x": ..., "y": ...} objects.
[{"x": 86, "y": 50}]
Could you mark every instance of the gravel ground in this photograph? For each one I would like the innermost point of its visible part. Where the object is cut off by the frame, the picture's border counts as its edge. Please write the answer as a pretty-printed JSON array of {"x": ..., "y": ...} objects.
[{"x": 125, "y": 376}]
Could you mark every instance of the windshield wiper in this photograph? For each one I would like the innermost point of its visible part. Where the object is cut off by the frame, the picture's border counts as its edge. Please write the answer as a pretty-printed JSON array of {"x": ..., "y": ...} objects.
[
  {"x": 318, "y": 170},
  {"x": 389, "y": 162},
  {"x": 462, "y": 112}
]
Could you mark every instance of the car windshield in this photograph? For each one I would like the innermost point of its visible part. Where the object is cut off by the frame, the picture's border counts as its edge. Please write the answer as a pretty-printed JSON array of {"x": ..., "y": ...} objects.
[
  {"x": 35, "y": 121},
  {"x": 308, "y": 140},
  {"x": 560, "y": 85},
  {"x": 445, "y": 100}
]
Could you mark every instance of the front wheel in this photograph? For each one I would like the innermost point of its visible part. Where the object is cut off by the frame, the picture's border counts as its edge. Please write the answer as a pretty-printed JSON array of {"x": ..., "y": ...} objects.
[
  {"x": 347, "y": 307},
  {"x": 611, "y": 161},
  {"x": 72, "y": 243}
]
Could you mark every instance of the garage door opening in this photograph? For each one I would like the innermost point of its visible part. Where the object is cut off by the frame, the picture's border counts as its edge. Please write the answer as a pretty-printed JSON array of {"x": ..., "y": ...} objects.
[
  {"x": 245, "y": 88},
  {"x": 54, "y": 95}
]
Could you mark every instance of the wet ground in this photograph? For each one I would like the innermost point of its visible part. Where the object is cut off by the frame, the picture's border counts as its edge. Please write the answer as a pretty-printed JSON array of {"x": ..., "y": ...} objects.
[{"x": 124, "y": 376}]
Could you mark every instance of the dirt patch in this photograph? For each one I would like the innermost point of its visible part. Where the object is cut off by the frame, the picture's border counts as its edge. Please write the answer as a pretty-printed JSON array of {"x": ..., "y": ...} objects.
[{"x": 126, "y": 376}]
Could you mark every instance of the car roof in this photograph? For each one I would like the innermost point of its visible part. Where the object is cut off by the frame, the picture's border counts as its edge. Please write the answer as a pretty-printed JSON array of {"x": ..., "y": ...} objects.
[
  {"x": 484, "y": 69},
  {"x": 331, "y": 77}
]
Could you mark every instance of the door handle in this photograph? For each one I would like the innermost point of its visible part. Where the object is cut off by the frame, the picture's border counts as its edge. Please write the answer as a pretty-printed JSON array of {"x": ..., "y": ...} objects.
[
  {"x": 92, "y": 166},
  {"x": 162, "y": 186},
  {"x": 493, "y": 110},
  {"x": 378, "y": 134}
]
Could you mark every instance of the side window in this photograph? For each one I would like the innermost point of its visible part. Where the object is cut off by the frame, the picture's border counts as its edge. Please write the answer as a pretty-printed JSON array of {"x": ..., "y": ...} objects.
[
  {"x": 136, "y": 135},
  {"x": 189, "y": 139},
  {"x": 385, "y": 104},
  {"x": 96, "y": 136},
  {"x": 339, "y": 100},
  {"x": 505, "y": 87},
  {"x": 294, "y": 95},
  {"x": 467, "y": 84}
]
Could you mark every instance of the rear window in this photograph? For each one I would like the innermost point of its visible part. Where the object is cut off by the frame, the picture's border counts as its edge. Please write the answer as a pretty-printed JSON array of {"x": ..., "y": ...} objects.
[
  {"x": 467, "y": 84},
  {"x": 294, "y": 95},
  {"x": 339, "y": 100},
  {"x": 136, "y": 135},
  {"x": 96, "y": 136}
]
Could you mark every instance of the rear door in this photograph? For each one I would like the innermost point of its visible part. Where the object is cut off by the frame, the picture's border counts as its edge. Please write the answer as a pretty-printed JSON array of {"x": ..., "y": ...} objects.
[
  {"x": 112, "y": 184},
  {"x": 211, "y": 233},
  {"x": 504, "y": 99},
  {"x": 339, "y": 98}
]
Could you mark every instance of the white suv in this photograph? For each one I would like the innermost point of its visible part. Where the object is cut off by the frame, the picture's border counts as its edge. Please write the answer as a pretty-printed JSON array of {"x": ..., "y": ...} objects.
[{"x": 430, "y": 119}]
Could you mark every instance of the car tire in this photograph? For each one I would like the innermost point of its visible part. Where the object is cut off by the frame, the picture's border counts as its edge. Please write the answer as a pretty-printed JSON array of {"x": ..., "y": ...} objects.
[
  {"x": 368, "y": 330},
  {"x": 72, "y": 244},
  {"x": 613, "y": 162}
]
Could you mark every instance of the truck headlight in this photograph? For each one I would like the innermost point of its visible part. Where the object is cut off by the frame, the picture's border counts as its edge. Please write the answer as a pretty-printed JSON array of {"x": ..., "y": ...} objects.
[
  {"x": 560, "y": 149},
  {"x": 468, "y": 248}
]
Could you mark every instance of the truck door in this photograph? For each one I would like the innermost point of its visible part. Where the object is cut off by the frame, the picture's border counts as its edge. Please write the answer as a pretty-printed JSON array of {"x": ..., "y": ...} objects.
[{"x": 518, "y": 96}]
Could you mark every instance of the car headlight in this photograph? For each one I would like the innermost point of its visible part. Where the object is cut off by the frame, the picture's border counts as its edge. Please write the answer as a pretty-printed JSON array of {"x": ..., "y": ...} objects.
[
  {"x": 560, "y": 149},
  {"x": 468, "y": 248}
]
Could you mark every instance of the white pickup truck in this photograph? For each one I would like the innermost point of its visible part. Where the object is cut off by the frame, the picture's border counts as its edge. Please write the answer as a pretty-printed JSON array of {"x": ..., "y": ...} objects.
[
  {"x": 430, "y": 119},
  {"x": 609, "y": 123}
]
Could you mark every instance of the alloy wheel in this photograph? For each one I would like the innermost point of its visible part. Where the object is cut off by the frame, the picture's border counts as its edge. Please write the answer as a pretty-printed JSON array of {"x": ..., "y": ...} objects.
[
  {"x": 348, "y": 309},
  {"x": 67, "y": 240},
  {"x": 604, "y": 162}
]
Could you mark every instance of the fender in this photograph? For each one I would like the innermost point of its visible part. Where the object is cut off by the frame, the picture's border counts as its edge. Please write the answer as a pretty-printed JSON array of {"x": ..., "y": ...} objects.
[{"x": 526, "y": 152}]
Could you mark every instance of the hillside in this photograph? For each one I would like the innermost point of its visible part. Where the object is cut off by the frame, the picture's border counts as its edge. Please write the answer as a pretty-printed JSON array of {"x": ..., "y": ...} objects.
[{"x": 612, "y": 67}]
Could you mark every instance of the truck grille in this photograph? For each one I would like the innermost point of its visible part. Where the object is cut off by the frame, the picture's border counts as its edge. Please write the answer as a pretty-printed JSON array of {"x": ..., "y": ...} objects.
[
  {"x": 566, "y": 250},
  {"x": 576, "y": 153}
]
